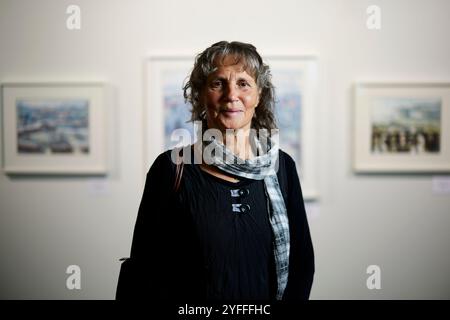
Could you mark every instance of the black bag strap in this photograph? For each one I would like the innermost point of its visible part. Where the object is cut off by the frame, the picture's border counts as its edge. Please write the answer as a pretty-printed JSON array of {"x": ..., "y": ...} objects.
[{"x": 178, "y": 170}]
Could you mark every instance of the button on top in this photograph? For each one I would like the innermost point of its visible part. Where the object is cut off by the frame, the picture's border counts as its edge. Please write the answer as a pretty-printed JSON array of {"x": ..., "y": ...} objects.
[
  {"x": 244, "y": 208},
  {"x": 244, "y": 192}
]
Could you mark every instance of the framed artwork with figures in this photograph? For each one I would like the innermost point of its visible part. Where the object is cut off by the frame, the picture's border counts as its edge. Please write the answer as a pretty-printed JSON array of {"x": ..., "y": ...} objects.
[{"x": 402, "y": 127}]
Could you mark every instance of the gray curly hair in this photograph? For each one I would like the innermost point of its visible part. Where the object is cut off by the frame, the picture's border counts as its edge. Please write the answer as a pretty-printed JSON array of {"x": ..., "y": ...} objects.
[{"x": 205, "y": 64}]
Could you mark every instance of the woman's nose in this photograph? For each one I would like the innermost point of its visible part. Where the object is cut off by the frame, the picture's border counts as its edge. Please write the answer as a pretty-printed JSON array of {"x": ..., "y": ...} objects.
[{"x": 231, "y": 92}]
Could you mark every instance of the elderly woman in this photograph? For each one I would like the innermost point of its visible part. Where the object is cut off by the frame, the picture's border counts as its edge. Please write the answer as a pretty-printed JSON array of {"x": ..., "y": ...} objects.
[{"x": 234, "y": 229}]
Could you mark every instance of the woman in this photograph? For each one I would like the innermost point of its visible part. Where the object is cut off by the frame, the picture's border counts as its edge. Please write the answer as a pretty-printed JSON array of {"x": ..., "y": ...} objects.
[{"x": 234, "y": 229}]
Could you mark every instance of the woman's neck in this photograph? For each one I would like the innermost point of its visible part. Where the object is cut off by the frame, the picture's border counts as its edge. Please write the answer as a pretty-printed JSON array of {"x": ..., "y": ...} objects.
[{"x": 238, "y": 142}]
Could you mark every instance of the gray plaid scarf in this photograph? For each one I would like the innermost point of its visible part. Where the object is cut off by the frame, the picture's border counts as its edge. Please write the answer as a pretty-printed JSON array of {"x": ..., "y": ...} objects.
[{"x": 260, "y": 168}]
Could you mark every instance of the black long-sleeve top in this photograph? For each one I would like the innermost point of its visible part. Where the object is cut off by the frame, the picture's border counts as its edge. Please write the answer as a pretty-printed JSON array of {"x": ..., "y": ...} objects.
[{"x": 212, "y": 238}]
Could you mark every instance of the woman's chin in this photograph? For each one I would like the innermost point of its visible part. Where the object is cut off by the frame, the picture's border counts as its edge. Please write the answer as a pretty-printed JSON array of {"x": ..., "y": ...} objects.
[
  {"x": 225, "y": 123},
  {"x": 233, "y": 124}
]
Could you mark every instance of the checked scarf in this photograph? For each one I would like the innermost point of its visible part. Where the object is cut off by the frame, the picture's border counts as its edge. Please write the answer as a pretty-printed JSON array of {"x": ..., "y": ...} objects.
[{"x": 261, "y": 167}]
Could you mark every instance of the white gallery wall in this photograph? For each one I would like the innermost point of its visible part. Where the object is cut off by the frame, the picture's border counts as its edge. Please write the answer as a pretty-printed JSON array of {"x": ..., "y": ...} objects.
[{"x": 394, "y": 221}]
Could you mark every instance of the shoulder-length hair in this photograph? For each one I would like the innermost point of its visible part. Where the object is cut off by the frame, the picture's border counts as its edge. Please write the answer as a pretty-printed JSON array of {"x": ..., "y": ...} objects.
[{"x": 206, "y": 63}]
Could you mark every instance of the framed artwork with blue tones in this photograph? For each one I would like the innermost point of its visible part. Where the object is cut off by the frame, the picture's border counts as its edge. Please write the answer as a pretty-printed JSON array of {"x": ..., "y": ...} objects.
[
  {"x": 53, "y": 128},
  {"x": 165, "y": 110},
  {"x": 296, "y": 81}
]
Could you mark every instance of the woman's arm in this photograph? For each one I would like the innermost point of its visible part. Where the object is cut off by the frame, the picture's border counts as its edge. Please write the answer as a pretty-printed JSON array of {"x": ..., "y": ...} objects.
[
  {"x": 146, "y": 276},
  {"x": 301, "y": 261}
]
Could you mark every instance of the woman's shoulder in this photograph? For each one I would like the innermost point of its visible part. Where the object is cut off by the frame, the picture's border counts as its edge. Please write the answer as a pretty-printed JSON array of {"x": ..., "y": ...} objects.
[
  {"x": 162, "y": 162},
  {"x": 168, "y": 158},
  {"x": 286, "y": 158}
]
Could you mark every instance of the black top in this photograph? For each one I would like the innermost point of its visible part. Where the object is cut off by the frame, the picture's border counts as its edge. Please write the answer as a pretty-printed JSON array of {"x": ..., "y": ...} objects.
[
  {"x": 231, "y": 220},
  {"x": 213, "y": 240}
]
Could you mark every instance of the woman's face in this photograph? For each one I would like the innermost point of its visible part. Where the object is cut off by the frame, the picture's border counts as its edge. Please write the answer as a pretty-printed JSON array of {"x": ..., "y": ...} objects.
[{"x": 230, "y": 97}]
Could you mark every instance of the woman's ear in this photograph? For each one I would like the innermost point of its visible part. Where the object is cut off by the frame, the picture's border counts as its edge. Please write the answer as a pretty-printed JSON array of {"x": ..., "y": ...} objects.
[{"x": 259, "y": 97}]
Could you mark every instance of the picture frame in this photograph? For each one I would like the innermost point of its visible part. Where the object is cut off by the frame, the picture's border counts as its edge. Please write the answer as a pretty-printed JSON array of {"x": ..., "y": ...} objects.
[
  {"x": 401, "y": 127},
  {"x": 164, "y": 106},
  {"x": 296, "y": 81},
  {"x": 295, "y": 78},
  {"x": 53, "y": 128}
]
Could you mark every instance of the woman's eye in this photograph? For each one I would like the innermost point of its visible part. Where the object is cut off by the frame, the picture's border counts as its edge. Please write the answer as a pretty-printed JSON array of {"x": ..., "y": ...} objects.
[
  {"x": 216, "y": 84},
  {"x": 243, "y": 84}
]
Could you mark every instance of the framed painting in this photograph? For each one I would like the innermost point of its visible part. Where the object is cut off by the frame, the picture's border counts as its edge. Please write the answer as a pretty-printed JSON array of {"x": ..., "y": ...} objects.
[
  {"x": 402, "y": 127},
  {"x": 53, "y": 128},
  {"x": 165, "y": 110},
  {"x": 295, "y": 81}
]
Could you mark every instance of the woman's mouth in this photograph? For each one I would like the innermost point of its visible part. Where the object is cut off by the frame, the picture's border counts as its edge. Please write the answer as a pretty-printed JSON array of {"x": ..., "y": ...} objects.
[{"x": 231, "y": 112}]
